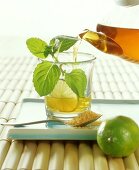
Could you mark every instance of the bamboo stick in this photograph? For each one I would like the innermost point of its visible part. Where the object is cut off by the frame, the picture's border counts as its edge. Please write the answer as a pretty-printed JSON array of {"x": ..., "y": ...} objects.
[
  {"x": 15, "y": 96},
  {"x": 24, "y": 94},
  {"x": 131, "y": 162},
  {"x": 18, "y": 75},
  {"x": 34, "y": 61},
  {"x": 34, "y": 94},
  {"x": 24, "y": 60},
  {"x": 12, "y": 84},
  {"x": 10, "y": 75},
  {"x": 137, "y": 155},
  {"x": 6, "y": 95},
  {"x": 71, "y": 156},
  {"x": 7, "y": 110},
  {"x": 4, "y": 83},
  {"x": 41, "y": 160},
  {"x": 1, "y": 92},
  {"x": 1, "y": 127},
  {"x": 4, "y": 133},
  {"x": 13, "y": 156},
  {"x": 23, "y": 67},
  {"x": 4, "y": 147},
  {"x": 56, "y": 156},
  {"x": 28, "y": 85},
  {"x": 27, "y": 158},
  {"x": 2, "y": 77},
  {"x": 27, "y": 60},
  {"x": 85, "y": 157},
  {"x": 11, "y": 66},
  {"x": 15, "y": 112},
  {"x": 26, "y": 75},
  {"x": 2, "y": 105},
  {"x": 116, "y": 163},
  {"x": 100, "y": 161},
  {"x": 20, "y": 84}
]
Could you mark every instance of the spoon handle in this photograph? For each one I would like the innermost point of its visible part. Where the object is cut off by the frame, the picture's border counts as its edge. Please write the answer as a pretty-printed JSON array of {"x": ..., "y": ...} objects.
[{"x": 27, "y": 123}]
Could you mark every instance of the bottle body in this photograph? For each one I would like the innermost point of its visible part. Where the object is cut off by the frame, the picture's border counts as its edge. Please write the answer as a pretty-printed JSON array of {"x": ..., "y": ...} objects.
[
  {"x": 117, "y": 34},
  {"x": 122, "y": 42},
  {"x": 126, "y": 38}
]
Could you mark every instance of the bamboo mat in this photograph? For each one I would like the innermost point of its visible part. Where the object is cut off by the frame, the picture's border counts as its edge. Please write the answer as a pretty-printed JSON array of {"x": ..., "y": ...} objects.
[{"x": 113, "y": 79}]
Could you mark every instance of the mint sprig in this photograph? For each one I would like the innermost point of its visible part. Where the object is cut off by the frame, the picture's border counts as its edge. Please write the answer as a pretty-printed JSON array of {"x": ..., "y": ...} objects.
[
  {"x": 47, "y": 74},
  {"x": 41, "y": 49}
]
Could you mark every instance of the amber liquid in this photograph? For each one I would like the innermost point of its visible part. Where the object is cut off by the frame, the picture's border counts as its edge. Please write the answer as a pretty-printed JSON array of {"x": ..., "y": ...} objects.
[
  {"x": 67, "y": 105},
  {"x": 122, "y": 42}
]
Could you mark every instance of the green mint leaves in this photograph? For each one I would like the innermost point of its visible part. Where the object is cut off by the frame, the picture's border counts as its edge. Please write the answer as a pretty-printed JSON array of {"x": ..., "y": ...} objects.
[
  {"x": 41, "y": 49},
  {"x": 37, "y": 47},
  {"x": 65, "y": 42},
  {"x": 45, "y": 77},
  {"x": 47, "y": 74},
  {"x": 77, "y": 81}
]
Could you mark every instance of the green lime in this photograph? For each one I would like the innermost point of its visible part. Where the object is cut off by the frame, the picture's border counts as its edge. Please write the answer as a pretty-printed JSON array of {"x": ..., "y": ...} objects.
[{"x": 118, "y": 137}]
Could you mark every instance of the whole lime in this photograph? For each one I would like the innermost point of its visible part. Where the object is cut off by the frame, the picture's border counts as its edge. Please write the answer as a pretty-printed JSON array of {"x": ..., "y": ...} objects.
[{"x": 118, "y": 137}]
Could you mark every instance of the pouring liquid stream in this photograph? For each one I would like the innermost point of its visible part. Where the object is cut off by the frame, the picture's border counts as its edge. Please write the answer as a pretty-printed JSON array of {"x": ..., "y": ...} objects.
[{"x": 122, "y": 42}]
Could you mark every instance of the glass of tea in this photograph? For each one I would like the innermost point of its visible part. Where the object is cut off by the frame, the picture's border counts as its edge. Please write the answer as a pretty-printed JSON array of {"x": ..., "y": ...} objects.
[{"x": 72, "y": 92}]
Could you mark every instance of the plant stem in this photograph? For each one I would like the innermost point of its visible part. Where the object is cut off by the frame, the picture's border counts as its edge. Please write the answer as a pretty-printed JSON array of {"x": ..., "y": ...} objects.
[{"x": 62, "y": 71}]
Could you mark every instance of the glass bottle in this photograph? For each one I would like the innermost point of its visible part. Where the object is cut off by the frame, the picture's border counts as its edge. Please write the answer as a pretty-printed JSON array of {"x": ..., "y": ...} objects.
[{"x": 118, "y": 34}]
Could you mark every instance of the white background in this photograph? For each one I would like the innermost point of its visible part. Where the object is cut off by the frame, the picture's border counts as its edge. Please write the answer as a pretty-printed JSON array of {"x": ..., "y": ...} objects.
[
  {"x": 22, "y": 19},
  {"x": 50, "y": 17}
]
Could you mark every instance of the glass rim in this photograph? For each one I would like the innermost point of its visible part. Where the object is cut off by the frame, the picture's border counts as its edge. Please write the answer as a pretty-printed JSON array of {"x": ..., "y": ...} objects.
[{"x": 92, "y": 58}]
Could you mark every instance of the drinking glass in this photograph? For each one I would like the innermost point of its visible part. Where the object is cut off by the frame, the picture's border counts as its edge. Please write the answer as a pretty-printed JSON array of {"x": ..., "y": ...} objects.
[{"x": 64, "y": 101}]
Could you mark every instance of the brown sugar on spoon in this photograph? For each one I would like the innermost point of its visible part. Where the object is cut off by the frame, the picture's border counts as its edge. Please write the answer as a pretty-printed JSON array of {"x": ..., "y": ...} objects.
[{"x": 84, "y": 119}]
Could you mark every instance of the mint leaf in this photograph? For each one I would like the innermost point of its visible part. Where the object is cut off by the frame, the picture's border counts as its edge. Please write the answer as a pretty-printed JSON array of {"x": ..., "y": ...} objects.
[
  {"x": 64, "y": 42},
  {"x": 77, "y": 81},
  {"x": 37, "y": 47},
  {"x": 48, "y": 50},
  {"x": 45, "y": 77},
  {"x": 55, "y": 43}
]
